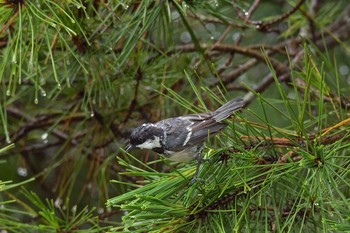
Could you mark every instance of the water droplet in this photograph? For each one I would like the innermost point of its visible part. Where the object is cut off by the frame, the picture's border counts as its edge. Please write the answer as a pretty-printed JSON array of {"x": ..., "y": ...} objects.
[
  {"x": 74, "y": 208},
  {"x": 8, "y": 141},
  {"x": 217, "y": 35},
  {"x": 348, "y": 80},
  {"x": 14, "y": 61},
  {"x": 185, "y": 37},
  {"x": 210, "y": 27},
  {"x": 22, "y": 171},
  {"x": 175, "y": 15},
  {"x": 36, "y": 101},
  {"x": 58, "y": 202},
  {"x": 344, "y": 70},
  {"x": 59, "y": 86},
  {"x": 100, "y": 210},
  {"x": 8, "y": 92},
  {"x": 92, "y": 114},
  {"x": 212, "y": 37},
  {"x": 291, "y": 95},
  {"x": 126, "y": 7},
  {"x": 235, "y": 36},
  {"x": 43, "y": 93},
  {"x": 316, "y": 204},
  {"x": 246, "y": 13},
  {"x": 44, "y": 136}
]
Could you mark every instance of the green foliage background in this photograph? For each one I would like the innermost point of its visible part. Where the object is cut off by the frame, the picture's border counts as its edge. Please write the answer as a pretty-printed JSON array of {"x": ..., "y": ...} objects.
[{"x": 77, "y": 76}]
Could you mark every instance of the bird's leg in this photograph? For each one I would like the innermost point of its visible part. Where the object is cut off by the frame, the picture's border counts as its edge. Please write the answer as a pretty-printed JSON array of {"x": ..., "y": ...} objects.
[
  {"x": 200, "y": 160},
  {"x": 195, "y": 178}
]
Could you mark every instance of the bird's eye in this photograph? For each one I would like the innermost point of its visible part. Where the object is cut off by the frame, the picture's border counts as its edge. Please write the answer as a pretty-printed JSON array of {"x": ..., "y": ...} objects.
[{"x": 136, "y": 140}]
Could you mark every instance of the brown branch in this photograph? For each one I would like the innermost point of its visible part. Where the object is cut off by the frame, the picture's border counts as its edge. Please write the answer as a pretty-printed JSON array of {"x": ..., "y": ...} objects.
[
  {"x": 9, "y": 22},
  {"x": 287, "y": 142},
  {"x": 252, "y": 9},
  {"x": 38, "y": 147},
  {"x": 38, "y": 122},
  {"x": 237, "y": 49},
  {"x": 133, "y": 103},
  {"x": 215, "y": 20},
  {"x": 238, "y": 40},
  {"x": 340, "y": 32},
  {"x": 266, "y": 26},
  {"x": 231, "y": 76}
]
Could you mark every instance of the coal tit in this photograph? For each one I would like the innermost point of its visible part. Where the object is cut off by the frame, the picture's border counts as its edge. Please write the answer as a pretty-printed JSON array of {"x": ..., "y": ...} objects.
[{"x": 182, "y": 138}]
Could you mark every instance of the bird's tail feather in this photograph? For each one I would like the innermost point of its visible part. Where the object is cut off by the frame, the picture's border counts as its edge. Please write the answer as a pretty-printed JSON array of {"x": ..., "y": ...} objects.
[{"x": 228, "y": 109}]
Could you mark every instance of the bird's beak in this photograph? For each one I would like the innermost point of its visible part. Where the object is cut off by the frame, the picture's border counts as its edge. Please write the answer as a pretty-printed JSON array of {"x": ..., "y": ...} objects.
[{"x": 128, "y": 148}]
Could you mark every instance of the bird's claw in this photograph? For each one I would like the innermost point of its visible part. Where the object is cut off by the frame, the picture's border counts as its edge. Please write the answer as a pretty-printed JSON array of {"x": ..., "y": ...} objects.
[{"x": 196, "y": 179}]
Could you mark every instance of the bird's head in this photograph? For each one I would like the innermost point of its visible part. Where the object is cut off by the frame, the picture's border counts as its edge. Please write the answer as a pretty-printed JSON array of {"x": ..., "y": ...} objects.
[{"x": 146, "y": 136}]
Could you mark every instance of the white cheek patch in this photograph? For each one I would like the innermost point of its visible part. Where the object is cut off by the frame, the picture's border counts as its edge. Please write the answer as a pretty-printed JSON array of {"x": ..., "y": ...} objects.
[{"x": 150, "y": 143}]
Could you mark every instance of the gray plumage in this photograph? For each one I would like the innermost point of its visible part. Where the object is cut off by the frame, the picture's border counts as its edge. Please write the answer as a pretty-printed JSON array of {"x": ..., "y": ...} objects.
[
  {"x": 181, "y": 138},
  {"x": 227, "y": 109}
]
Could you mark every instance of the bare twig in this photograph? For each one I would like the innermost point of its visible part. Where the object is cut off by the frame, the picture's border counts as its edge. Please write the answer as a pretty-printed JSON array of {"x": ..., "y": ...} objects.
[
  {"x": 266, "y": 26},
  {"x": 133, "y": 103}
]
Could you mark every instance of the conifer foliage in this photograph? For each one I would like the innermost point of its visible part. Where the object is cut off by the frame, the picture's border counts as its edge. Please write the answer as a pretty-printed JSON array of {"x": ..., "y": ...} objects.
[{"x": 77, "y": 76}]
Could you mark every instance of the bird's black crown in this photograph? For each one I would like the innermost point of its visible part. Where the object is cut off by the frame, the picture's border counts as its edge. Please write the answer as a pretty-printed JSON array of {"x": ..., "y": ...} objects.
[{"x": 145, "y": 132}]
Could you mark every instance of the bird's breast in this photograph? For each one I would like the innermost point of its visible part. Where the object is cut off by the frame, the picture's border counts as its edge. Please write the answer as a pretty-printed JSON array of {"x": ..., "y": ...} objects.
[{"x": 185, "y": 155}]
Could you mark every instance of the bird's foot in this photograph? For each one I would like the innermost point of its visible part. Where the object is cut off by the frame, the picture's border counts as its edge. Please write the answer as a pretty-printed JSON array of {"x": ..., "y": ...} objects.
[{"x": 197, "y": 179}]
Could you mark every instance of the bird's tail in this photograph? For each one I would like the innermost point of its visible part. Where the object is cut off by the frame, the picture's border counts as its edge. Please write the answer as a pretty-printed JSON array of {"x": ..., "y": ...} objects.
[{"x": 228, "y": 109}]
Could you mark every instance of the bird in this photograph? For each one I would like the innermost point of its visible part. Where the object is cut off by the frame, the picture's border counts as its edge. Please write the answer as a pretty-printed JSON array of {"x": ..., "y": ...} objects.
[{"x": 182, "y": 138}]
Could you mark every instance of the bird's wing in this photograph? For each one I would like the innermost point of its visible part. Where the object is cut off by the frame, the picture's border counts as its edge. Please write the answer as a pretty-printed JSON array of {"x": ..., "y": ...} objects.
[
  {"x": 197, "y": 128},
  {"x": 203, "y": 128},
  {"x": 194, "y": 129},
  {"x": 205, "y": 124}
]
